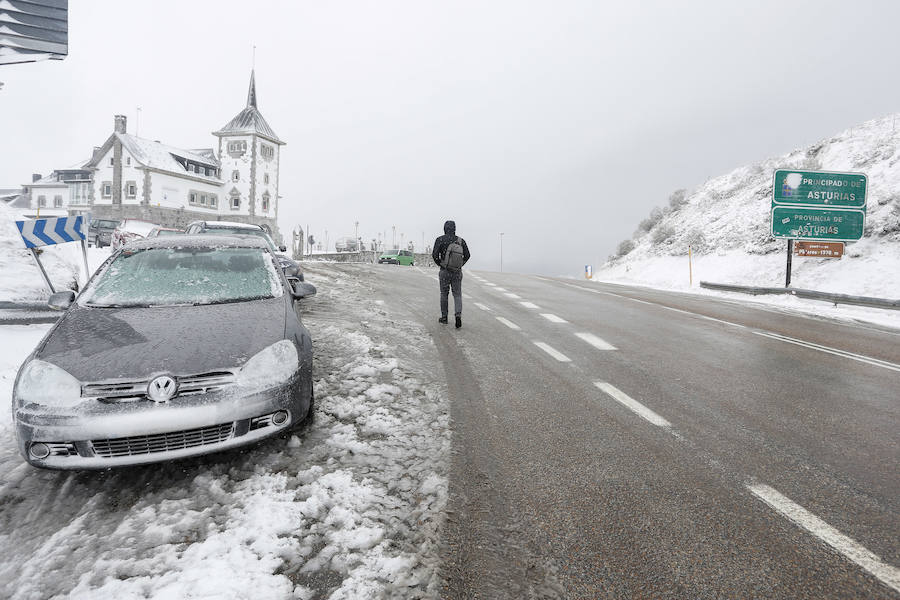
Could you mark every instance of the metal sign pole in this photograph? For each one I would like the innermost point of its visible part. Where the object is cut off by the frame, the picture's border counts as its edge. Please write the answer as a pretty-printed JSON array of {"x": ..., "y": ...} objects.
[
  {"x": 87, "y": 270},
  {"x": 43, "y": 272},
  {"x": 787, "y": 278}
]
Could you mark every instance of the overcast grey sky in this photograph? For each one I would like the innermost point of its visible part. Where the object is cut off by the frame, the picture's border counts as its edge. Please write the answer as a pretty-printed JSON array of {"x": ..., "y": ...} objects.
[{"x": 559, "y": 123}]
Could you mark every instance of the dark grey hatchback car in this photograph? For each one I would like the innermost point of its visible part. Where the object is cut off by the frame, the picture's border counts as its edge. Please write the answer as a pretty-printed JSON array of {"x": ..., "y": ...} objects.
[{"x": 178, "y": 346}]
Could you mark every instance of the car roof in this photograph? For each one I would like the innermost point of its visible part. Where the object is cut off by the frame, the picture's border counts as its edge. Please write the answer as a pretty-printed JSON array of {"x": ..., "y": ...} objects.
[
  {"x": 200, "y": 241},
  {"x": 228, "y": 224}
]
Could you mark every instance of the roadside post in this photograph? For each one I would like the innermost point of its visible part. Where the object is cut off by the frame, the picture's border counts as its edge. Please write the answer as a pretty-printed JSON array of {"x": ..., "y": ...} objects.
[
  {"x": 588, "y": 271},
  {"x": 37, "y": 233},
  {"x": 817, "y": 206},
  {"x": 690, "y": 268}
]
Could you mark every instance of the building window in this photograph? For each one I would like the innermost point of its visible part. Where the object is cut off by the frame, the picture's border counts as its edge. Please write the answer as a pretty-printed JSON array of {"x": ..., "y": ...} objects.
[
  {"x": 193, "y": 198},
  {"x": 266, "y": 179},
  {"x": 191, "y": 168},
  {"x": 203, "y": 200},
  {"x": 57, "y": 201},
  {"x": 213, "y": 201},
  {"x": 130, "y": 189},
  {"x": 265, "y": 202},
  {"x": 235, "y": 175},
  {"x": 235, "y": 202},
  {"x": 42, "y": 201},
  {"x": 203, "y": 170},
  {"x": 111, "y": 161},
  {"x": 267, "y": 152},
  {"x": 128, "y": 161},
  {"x": 237, "y": 147},
  {"x": 107, "y": 189}
]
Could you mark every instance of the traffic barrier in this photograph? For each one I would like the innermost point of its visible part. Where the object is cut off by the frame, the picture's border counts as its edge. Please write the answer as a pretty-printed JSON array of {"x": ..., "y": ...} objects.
[
  {"x": 51, "y": 231},
  {"x": 809, "y": 294}
]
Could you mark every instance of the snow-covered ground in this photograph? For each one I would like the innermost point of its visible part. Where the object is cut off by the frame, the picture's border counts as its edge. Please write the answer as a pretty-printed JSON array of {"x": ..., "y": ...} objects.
[
  {"x": 349, "y": 508},
  {"x": 726, "y": 221}
]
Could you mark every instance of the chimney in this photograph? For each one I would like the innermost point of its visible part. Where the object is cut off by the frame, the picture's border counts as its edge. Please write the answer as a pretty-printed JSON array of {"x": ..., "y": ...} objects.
[
  {"x": 35, "y": 177},
  {"x": 121, "y": 121},
  {"x": 95, "y": 152}
]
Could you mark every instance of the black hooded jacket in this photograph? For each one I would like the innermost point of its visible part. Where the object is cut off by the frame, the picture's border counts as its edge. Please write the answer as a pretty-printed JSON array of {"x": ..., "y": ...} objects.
[{"x": 441, "y": 243}]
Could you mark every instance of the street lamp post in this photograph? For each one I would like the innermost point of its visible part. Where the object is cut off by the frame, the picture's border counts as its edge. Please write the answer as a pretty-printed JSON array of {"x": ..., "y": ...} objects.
[{"x": 501, "y": 251}]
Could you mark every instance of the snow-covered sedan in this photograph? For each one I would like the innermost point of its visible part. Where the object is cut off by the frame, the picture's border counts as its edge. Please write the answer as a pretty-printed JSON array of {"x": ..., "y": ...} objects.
[{"x": 178, "y": 346}]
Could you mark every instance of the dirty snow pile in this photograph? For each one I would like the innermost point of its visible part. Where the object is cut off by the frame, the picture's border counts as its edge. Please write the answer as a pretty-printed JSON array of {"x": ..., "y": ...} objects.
[
  {"x": 349, "y": 507},
  {"x": 727, "y": 222},
  {"x": 21, "y": 279}
]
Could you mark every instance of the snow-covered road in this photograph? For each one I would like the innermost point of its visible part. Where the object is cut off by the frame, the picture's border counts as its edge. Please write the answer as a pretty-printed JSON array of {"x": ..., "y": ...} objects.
[{"x": 350, "y": 508}]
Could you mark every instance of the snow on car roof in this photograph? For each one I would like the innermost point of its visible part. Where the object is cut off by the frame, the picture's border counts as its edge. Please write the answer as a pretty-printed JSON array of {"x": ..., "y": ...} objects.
[
  {"x": 200, "y": 241},
  {"x": 231, "y": 224}
]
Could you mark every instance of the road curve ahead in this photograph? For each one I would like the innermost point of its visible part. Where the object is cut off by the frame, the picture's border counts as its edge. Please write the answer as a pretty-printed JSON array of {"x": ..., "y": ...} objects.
[{"x": 616, "y": 442}]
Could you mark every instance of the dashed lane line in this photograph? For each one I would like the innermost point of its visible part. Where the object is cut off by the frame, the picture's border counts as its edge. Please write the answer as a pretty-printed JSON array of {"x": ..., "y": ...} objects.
[
  {"x": 553, "y": 318},
  {"x": 852, "y": 551},
  {"x": 842, "y": 353},
  {"x": 529, "y": 304},
  {"x": 499, "y": 289},
  {"x": 632, "y": 404},
  {"x": 482, "y": 306},
  {"x": 553, "y": 352},
  {"x": 511, "y": 295},
  {"x": 508, "y": 323},
  {"x": 595, "y": 341}
]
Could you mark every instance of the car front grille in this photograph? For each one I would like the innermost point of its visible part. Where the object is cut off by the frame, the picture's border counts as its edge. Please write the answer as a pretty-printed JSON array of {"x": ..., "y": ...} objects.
[
  {"x": 125, "y": 391},
  {"x": 163, "y": 442}
]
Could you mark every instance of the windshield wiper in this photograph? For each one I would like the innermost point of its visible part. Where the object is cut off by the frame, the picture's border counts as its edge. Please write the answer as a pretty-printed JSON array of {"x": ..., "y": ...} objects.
[{"x": 93, "y": 305}]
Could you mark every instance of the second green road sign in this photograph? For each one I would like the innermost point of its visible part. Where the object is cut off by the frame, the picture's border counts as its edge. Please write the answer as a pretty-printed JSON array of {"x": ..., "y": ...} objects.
[{"x": 818, "y": 205}]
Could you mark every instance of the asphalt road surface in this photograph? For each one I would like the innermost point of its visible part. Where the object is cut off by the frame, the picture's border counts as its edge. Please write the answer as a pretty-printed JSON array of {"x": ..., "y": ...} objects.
[{"x": 617, "y": 442}]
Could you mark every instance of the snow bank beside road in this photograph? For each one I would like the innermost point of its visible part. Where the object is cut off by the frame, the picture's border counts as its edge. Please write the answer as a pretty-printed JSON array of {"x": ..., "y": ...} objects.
[{"x": 349, "y": 508}]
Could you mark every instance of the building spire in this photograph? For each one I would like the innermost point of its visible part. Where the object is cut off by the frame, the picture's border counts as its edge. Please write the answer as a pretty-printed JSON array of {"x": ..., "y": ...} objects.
[{"x": 251, "y": 93}]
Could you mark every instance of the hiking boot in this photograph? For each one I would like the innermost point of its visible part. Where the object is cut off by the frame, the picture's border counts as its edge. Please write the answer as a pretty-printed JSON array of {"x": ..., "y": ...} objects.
[
  {"x": 458, "y": 321},
  {"x": 442, "y": 320}
]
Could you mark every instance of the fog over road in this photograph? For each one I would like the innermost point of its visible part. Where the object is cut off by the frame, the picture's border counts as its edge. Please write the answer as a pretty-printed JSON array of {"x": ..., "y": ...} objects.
[{"x": 622, "y": 442}]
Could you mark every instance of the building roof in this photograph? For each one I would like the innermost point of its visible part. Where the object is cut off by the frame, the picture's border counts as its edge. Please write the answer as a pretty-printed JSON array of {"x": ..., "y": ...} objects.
[
  {"x": 250, "y": 120},
  {"x": 159, "y": 156}
]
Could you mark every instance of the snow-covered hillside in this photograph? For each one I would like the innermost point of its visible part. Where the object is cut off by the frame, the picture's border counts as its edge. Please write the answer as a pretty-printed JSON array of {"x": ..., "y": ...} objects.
[{"x": 726, "y": 221}]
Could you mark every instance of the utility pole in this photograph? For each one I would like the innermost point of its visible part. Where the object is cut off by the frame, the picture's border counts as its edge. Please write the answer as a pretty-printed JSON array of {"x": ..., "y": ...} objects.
[
  {"x": 393, "y": 236},
  {"x": 356, "y": 235},
  {"x": 401, "y": 239},
  {"x": 326, "y": 240},
  {"x": 501, "y": 251}
]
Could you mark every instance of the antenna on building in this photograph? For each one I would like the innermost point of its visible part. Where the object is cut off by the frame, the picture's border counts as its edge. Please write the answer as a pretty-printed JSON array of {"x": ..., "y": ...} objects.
[
  {"x": 137, "y": 127},
  {"x": 254, "y": 57}
]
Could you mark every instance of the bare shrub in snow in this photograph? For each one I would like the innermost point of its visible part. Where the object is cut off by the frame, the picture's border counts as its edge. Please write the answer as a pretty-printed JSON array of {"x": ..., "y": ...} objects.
[
  {"x": 625, "y": 246},
  {"x": 677, "y": 199},
  {"x": 662, "y": 234},
  {"x": 650, "y": 222},
  {"x": 696, "y": 240}
]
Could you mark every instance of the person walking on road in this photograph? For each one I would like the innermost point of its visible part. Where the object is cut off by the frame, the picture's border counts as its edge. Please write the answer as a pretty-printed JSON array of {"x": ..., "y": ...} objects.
[{"x": 450, "y": 254}]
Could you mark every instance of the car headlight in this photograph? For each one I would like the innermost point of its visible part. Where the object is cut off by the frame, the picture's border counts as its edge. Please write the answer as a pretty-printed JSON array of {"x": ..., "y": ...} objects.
[
  {"x": 46, "y": 384},
  {"x": 270, "y": 367}
]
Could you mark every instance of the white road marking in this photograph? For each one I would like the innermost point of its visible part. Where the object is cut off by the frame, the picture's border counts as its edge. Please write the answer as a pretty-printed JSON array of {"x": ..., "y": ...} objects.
[
  {"x": 482, "y": 306},
  {"x": 842, "y": 353},
  {"x": 508, "y": 323},
  {"x": 553, "y": 318},
  {"x": 511, "y": 295},
  {"x": 632, "y": 404},
  {"x": 490, "y": 284},
  {"x": 553, "y": 352},
  {"x": 596, "y": 342},
  {"x": 529, "y": 304},
  {"x": 852, "y": 551},
  {"x": 466, "y": 296},
  {"x": 499, "y": 289}
]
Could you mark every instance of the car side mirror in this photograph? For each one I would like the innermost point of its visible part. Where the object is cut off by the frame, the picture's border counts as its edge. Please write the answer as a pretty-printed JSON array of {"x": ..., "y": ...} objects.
[
  {"x": 282, "y": 248},
  {"x": 301, "y": 289},
  {"x": 61, "y": 300}
]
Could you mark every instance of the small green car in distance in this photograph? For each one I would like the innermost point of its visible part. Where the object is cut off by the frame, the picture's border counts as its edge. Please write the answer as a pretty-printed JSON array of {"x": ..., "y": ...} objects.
[{"x": 396, "y": 257}]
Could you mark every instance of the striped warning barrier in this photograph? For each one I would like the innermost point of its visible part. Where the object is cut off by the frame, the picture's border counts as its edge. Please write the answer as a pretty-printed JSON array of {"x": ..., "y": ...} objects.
[{"x": 50, "y": 231}]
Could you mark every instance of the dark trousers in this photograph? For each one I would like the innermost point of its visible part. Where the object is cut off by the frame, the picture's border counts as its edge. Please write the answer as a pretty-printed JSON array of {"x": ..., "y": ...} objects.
[{"x": 451, "y": 279}]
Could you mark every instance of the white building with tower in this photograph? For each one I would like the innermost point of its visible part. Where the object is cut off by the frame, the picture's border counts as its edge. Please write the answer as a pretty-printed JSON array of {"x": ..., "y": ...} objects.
[{"x": 132, "y": 177}]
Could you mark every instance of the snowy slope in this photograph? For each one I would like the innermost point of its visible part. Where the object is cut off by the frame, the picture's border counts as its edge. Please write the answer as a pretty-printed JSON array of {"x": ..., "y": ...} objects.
[{"x": 727, "y": 222}]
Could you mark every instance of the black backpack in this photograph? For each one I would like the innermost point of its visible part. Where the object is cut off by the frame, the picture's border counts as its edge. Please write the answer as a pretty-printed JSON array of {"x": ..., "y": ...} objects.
[{"x": 454, "y": 256}]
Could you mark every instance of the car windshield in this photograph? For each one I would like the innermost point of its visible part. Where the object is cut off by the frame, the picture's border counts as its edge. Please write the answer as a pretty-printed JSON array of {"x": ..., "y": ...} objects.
[
  {"x": 249, "y": 231},
  {"x": 107, "y": 224},
  {"x": 139, "y": 227},
  {"x": 177, "y": 276},
  {"x": 167, "y": 232}
]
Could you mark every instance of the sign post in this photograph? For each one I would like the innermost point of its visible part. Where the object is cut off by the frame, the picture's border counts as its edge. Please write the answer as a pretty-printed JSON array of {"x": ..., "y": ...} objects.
[
  {"x": 821, "y": 206},
  {"x": 49, "y": 232},
  {"x": 588, "y": 271}
]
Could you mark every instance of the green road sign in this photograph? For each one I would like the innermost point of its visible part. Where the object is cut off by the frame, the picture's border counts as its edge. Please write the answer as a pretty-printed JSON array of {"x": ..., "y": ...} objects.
[
  {"x": 820, "y": 188},
  {"x": 813, "y": 223}
]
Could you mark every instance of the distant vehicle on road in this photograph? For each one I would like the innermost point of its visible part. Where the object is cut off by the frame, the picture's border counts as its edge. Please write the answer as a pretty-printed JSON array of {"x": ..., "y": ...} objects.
[
  {"x": 100, "y": 232},
  {"x": 130, "y": 230},
  {"x": 347, "y": 244},
  {"x": 290, "y": 266},
  {"x": 178, "y": 346},
  {"x": 397, "y": 257},
  {"x": 161, "y": 231}
]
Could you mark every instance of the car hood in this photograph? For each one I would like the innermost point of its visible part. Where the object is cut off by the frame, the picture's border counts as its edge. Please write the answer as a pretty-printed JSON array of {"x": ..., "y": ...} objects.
[{"x": 97, "y": 344}]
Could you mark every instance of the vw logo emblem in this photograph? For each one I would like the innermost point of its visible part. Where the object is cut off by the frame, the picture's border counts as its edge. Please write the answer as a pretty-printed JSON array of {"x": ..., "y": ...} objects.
[{"x": 162, "y": 388}]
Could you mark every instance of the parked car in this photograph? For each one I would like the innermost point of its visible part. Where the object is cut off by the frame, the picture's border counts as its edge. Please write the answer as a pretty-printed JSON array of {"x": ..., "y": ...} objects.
[
  {"x": 100, "y": 232},
  {"x": 130, "y": 230},
  {"x": 290, "y": 266},
  {"x": 161, "y": 231},
  {"x": 397, "y": 257},
  {"x": 346, "y": 244},
  {"x": 178, "y": 346}
]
